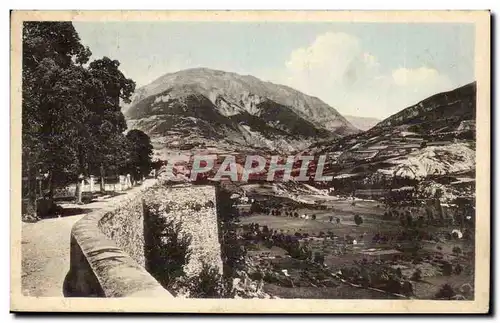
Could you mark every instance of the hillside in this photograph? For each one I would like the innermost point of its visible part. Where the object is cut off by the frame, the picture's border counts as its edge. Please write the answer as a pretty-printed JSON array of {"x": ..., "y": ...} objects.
[
  {"x": 432, "y": 139},
  {"x": 362, "y": 123},
  {"x": 215, "y": 107},
  {"x": 441, "y": 112}
]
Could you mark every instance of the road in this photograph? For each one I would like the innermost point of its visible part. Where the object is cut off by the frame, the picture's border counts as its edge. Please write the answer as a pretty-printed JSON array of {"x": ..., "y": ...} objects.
[{"x": 46, "y": 245}]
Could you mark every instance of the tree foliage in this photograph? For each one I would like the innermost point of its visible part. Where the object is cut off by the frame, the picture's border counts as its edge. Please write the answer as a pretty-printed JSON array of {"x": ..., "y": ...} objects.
[
  {"x": 358, "y": 219},
  {"x": 141, "y": 152},
  {"x": 71, "y": 115}
]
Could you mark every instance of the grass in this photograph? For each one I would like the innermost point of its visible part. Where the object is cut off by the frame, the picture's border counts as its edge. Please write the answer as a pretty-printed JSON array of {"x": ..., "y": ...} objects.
[
  {"x": 343, "y": 291},
  {"x": 372, "y": 224},
  {"x": 429, "y": 286}
]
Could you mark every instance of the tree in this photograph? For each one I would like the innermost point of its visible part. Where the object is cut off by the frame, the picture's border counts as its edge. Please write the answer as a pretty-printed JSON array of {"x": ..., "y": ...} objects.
[
  {"x": 167, "y": 248},
  {"x": 445, "y": 292},
  {"x": 417, "y": 275},
  {"x": 109, "y": 147},
  {"x": 447, "y": 268},
  {"x": 141, "y": 152},
  {"x": 53, "y": 102},
  {"x": 233, "y": 251},
  {"x": 71, "y": 113},
  {"x": 358, "y": 219},
  {"x": 207, "y": 284}
]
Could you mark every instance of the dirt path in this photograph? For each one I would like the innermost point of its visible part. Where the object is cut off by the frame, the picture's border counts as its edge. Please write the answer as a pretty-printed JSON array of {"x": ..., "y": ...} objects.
[{"x": 45, "y": 248}]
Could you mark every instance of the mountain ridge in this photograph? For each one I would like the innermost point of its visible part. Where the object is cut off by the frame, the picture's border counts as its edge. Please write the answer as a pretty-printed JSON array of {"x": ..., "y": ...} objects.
[
  {"x": 213, "y": 82},
  {"x": 227, "y": 107},
  {"x": 462, "y": 99}
]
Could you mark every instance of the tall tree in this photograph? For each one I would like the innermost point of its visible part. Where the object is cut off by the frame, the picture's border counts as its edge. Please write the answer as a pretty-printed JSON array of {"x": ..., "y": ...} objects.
[
  {"x": 141, "y": 152},
  {"x": 71, "y": 113},
  {"x": 52, "y": 105},
  {"x": 110, "y": 86}
]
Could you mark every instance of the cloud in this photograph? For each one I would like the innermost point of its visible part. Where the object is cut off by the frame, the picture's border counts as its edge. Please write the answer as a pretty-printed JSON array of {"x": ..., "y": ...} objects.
[
  {"x": 337, "y": 68},
  {"x": 407, "y": 77},
  {"x": 330, "y": 53}
]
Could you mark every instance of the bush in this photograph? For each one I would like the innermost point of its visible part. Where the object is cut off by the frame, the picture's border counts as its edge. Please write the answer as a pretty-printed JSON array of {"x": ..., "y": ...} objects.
[
  {"x": 338, "y": 220},
  {"x": 232, "y": 248},
  {"x": 319, "y": 258},
  {"x": 457, "y": 250},
  {"x": 358, "y": 219},
  {"x": 313, "y": 217},
  {"x": 166, "y": 250},
  {"x": 458, "y": 269},
  {"x": 447, "y": 269},
  {"x": 417, "y": 275},
  {"x": 445, "y": 292},
  {"x": 47, "y": 208},
  {"x": 207, "y": 284}
]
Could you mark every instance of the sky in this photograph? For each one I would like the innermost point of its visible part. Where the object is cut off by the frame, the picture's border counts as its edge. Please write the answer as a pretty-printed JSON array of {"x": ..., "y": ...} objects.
[{"x": 361, "y": 69}]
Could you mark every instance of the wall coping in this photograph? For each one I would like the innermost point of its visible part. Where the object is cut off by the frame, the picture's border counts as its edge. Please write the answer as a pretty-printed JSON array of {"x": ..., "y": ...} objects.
[{"x": 117, "y": 273}]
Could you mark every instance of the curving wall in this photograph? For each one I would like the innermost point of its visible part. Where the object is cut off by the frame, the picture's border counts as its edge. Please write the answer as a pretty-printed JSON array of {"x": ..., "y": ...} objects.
[{"x": 108, "y": 257}]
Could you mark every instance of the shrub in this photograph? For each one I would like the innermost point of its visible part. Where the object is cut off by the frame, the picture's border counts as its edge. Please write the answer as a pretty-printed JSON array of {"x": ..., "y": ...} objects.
[
  {"x": 29, "y": 213},
  {"x": 167, "y": 250},
  {"x": 319, "y": 258},
  {"x": 358, "y": 219},
  {"x": 447, "y": 269},
  {"x": 445, "y": 292},
  {"x": 458, "y": 269},
  {"x": 232, "y": 249},
  {"x": 313, "y": 217},
  {"x": 417, "y": 275},
  {"x": 207, "y": 284},
  {"x": 47, "y": 208},
  {"x": 338, "y": 220},
  {"x": 457, "y": 250}
]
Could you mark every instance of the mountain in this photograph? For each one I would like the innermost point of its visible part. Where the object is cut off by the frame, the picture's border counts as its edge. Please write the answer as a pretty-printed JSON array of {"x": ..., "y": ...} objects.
[
  {"x": 431, "y": 141},
  {"x": 441, "y": 111},
  {"x": 362, "y": 123},
  {"x": 200, "y": 106}
]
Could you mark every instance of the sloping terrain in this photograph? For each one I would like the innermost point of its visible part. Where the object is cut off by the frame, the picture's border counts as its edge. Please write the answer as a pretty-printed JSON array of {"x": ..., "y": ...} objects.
[
  {"x": 362, "y": 123},
  {"x": 434, "y": 139},
  {"x": 440, "y": 112},
  {"x": 198, "y": 106}
]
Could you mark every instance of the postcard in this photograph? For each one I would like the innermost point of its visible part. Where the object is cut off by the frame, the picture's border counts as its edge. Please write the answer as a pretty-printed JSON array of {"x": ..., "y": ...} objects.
[{"x": 250, "y": 161}]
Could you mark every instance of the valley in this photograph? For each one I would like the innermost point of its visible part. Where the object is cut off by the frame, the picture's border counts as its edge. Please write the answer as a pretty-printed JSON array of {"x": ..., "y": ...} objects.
[{"x": 396, "y": 219}]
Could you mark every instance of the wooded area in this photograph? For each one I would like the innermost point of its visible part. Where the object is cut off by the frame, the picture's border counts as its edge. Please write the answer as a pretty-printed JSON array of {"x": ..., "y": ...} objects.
[{"x": 71, "y": 118}]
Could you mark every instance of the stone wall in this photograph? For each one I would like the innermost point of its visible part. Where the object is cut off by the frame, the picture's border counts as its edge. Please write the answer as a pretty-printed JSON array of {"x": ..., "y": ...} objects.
[
  {"x": 125, "y": 226},
  {"x": 107, "y": 253},
  {"x": 194, "y": 208},
  {"x": 108, "y": 257}
]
